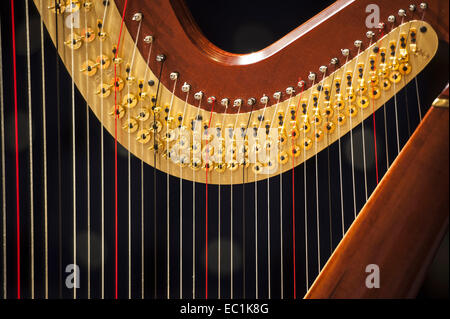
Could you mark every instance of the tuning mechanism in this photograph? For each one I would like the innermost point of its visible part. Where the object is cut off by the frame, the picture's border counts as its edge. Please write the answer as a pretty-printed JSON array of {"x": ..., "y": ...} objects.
[
  {"x": 89, "y": 68},
  {"x": 100, "y": 33},
  {"x": 103, "y": 90},
  {"x": 117, "y": 111},
  {"x": 104, "y": 61},
  {"x": 264, "y": 99},
  {"x": 88, "y": 35},
  {"x": 87, "y": 5},
  {"x": 73, "y": 41},
  {"x": 251, "y": 101},
  {"x": 277, "y": 95},
  {"x": 73, "y": 6},
  {"x": 116, "y": 60},
  {"x": 57, "y": 7},
  {"x": 290, "y": 90},
  {"x": 237, "y": 103},
  {"x": 130, "y": 79}
]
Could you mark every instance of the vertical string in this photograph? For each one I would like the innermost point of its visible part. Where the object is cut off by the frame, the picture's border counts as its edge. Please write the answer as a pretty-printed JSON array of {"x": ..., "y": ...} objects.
[
  {"x": 168, "y": 190},
  {"x": 74, "y": 189},
  {"x": 182, "y": 162},
  {"x": 13, "y": 30},
  {"x": 142, "y": 200},
  {"x": 102, "y": 168},
  {"x": 293, "y": 208},
  {"x": 317, "y": 180},
  {"x": 129, "y": 164},
  {"x": 30, "y": 148},
  {"x": 206, "y": 206},
  {"x": 88, "y": 172},
  {"x": 306, "y": 203},
  {"x": 2, "y": 128},
  {"x": 195, "y": 123},
  {"x": 231, "y": 214},
  {"x": 350, "y": 115}
]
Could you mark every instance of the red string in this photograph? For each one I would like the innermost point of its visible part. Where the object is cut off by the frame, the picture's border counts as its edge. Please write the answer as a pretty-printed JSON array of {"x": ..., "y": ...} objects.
[
  {"x": 17, "y": 147},
  {"x": 115, "y": 152},
  {"x": 206, "y": 199},
  {"x": 293, "y": 196}
]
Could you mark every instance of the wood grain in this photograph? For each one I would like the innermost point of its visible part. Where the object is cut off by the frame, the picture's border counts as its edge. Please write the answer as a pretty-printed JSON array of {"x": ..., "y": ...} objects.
[
  {"x": 401, "y": 225},
  {"x": 225, "y": 75}
]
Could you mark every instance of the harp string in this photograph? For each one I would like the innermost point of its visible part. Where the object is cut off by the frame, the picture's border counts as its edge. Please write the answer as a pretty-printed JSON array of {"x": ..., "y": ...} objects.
[
  {"x": 168, "y": 188},
  {"x": 395, "y": 94},
  {"x": 302, "y": 83},
  {"x": 350, "y": 115},
  {"x": 363, "y": 131},
  {"x": 142, "y": 203},
  {"x": 88, "y": 172},
  {"x": 206, "y": 203},
  {"x": 317, "y": 182},
  {"x": 419, "y": 109},
  {"x": 74, "y": 184},
  {"x": 129, "y": 163},
  {"x": 182, "y": 162},
  {"x": 281, "y": 216},
  {"x": 155, "y": 149},
  {"x": 102, "y": 166},
  {"x": 219, "y": 214},
  {"x": 231, "y": 215},
  {"x": 2, "y": 128},
  {"x": 195, "y": 122},
  {"x": 306, "y": 204},
  {"x": 30, "y": 148},
  {"x": 16, "y": 148}
]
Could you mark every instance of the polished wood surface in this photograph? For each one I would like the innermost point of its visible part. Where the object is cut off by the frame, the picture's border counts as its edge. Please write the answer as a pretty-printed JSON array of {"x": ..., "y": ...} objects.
[
  {"x": 401, "y": 225},
  {"x": 225, "y": 75}
]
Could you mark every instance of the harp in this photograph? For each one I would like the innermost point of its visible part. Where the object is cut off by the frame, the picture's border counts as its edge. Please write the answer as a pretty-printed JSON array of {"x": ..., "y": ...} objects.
[{"x": 167, "y": 167}]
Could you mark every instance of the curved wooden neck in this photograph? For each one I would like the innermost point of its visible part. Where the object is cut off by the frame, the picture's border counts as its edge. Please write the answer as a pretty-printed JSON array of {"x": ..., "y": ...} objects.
[
  {"x": 225, "y": 75},
  {"x": 400, "y": 227}
]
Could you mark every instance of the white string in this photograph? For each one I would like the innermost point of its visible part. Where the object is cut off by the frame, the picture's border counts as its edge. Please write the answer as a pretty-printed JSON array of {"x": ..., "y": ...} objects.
[
  {"x": 340, "y": 153},
  {"x": 193, "y": 207},
  {"x": 317, "y": 179},
  {"x": 30, "y": 140},
  {"x": 129, "y": 168},
  {"x": 219, "y": 211},
  {"x": 231, "y": 212},
  {"x": 351, "y": 133},
  {"x": 3, "y": 168},
  {"x": 102, "y": 166},
  {"x": 74, "y": 164},
  {"x": 168, "y": 190},
  {"x": 362, "y": 130},
  {"x": 305, "y": 190},
  {"x": 395, "y": 93},
  {"x": 181, "y": 203},
  {"x": 88, "y": 173},
  {"x": 142, "y": 197},
  {"x": 281, "y": 216}
]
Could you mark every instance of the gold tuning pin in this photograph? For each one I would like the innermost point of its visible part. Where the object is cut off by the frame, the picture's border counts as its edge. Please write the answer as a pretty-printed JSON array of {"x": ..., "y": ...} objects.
[
  {"x": 103, "y": 90},
  {"x": 131, "y": 125},
  {"x": 88, "y": 35},
  {"x": 129, "y": 101},
  {"x": 103, "y": 61},
  {"x": 144, "y": 136},
  {"x": 117, "y": 83},
  {"x": 87, "y": 5},
  {"x": 117, "y": 111},
  {"x": 130, "y": 79},
  {"x": 73, "y": 6},
  {"x": 73, "y": 41},
  {"x": 100, "y": 33},
  {"x": 57, "y": 7},
  {"x": 89, "y": 68},
  {"x": 116, "y": 60}
]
